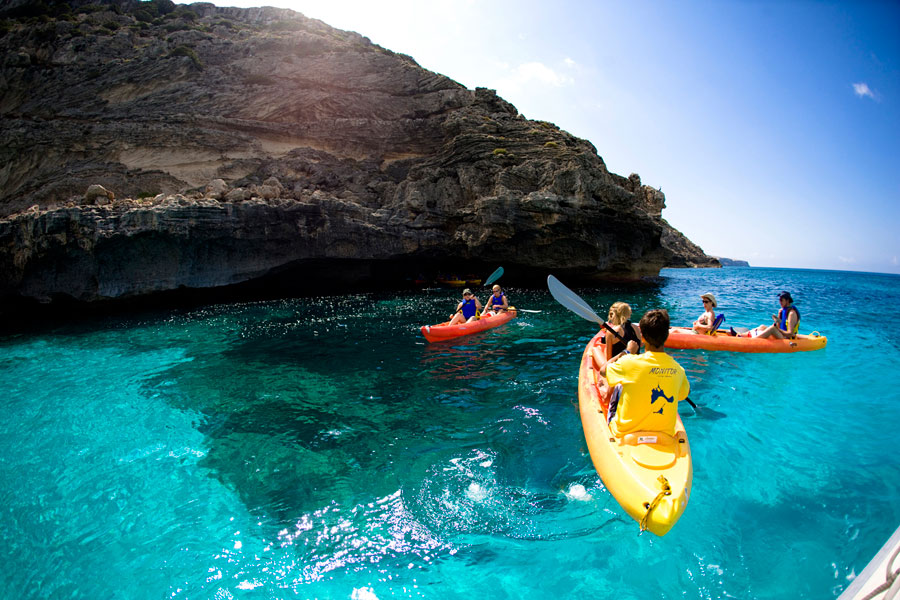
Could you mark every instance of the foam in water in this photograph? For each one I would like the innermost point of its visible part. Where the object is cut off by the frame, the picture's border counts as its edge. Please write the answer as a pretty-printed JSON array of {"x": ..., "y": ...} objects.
[{"x": 577, "y": 491}]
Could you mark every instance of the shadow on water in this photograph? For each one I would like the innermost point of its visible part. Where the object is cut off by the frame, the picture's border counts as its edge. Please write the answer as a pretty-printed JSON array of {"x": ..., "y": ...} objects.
[
  {"x": 299, "y": 413},
  {"x": 701, "y": 412}
]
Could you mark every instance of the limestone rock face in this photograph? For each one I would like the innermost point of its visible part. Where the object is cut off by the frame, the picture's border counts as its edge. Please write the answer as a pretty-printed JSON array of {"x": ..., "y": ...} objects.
[
  {"x": 97, "y": 194},
  {"x": 684, "y": 252},
  {"x": 241, "y": 143}
]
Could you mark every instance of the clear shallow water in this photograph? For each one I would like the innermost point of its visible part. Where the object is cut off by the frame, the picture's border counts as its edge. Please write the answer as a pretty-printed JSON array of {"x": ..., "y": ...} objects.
[{"x": 319, "y": 448}]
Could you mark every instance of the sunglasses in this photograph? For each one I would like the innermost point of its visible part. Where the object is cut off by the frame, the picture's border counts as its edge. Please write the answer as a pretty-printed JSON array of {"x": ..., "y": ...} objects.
[{"x": 706, "y": 302}]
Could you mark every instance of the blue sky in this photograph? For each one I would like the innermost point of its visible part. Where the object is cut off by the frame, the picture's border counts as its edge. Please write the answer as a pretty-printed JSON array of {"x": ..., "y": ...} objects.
[{"x": 773, "y": 127}]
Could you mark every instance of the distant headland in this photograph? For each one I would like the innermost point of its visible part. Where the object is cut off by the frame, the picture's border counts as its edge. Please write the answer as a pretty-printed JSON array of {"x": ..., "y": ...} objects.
[
  {"x": 149, "y": 146},
  {"x": 728, "y": 262}
]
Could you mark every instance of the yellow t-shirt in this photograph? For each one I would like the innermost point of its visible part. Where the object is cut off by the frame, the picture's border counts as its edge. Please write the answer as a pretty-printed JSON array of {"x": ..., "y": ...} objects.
[{"x": 652, "y": 385}]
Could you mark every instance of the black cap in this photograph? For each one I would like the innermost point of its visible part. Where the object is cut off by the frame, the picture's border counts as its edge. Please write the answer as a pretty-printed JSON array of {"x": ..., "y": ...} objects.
[{"x": 785, "y": 295}]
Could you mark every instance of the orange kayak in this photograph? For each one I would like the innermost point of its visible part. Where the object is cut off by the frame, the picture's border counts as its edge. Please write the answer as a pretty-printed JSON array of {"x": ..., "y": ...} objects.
[
  {"x": 445, "y": 331},
  {"x": 649, "y": 473},
  {"x": 683, "y": 338}
]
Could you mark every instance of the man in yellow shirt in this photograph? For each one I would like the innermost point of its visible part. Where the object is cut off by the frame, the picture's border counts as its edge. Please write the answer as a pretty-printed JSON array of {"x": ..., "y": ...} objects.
[{"x": 652, "y": 383}]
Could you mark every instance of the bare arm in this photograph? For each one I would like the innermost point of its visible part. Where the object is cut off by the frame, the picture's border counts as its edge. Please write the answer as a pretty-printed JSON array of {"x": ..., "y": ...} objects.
[
  {"x": 602, "y": 370},
  {"x": 791, "y": 324},
  {"x": 704, "y": 323}
]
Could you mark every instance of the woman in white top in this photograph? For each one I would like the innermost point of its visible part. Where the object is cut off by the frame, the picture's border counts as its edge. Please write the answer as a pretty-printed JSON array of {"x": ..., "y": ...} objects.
[{"x": 704, "y": 322}]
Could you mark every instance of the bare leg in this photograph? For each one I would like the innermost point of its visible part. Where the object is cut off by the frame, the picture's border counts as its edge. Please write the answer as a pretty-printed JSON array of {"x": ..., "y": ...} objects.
[
  {"x": 771, "y": 331},
  {"x": 457, "y": 318}
]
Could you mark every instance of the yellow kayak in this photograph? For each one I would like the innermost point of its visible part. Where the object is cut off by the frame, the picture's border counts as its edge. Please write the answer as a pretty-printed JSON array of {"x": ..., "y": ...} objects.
[
  {"x": 452, "y": 282},
  {"x": 648, "y": 472}
]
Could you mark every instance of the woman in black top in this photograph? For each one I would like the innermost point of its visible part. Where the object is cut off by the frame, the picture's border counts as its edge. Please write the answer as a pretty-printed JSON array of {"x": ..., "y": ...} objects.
[{"x": 626, "y": 331}]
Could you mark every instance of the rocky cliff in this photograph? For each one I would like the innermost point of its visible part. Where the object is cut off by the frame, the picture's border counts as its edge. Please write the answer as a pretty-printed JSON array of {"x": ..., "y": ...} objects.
[
  {"x": 236, "y": 145},
  {"x": 684, "y": 252}
]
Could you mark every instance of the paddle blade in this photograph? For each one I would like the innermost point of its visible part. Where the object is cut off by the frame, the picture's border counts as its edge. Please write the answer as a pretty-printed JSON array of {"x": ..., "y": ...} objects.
[
  {"x": 571, "y": 300},
  {"x": 528, "y": 311},
  {"x": 494, "y": 276}
]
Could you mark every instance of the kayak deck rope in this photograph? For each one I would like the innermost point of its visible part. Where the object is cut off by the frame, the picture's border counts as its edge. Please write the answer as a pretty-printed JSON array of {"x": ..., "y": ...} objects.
[
  {"x": 665, "y": 491},
  {"x": 891, "y": 579}
]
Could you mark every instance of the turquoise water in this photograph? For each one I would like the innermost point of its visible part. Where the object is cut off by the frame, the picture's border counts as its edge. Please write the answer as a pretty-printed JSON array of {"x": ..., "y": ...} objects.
[{"x": 319, "y": 448}]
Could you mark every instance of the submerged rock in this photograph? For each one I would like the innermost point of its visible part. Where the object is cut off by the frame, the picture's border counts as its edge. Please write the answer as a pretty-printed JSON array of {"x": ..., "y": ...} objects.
[{"x": 259, "y": 143}]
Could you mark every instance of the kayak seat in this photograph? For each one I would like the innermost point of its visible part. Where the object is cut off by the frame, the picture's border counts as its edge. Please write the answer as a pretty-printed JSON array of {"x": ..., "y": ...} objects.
[
  {"x": 653, "y": 449},
  {"x": 654, "y": 456},
  {"x": 720, "y": 318}
]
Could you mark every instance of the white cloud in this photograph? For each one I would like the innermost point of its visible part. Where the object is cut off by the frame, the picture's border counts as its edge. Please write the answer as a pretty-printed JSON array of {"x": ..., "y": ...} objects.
[
  {"x": 895, "y": 261},
  {"x": 532, "y": 73},
  {"x": 846, "y": 260},
  {"x": 569, "y": 62},
  {"x": 541, "y": 73},
  {"x": 862, "y": 90}
]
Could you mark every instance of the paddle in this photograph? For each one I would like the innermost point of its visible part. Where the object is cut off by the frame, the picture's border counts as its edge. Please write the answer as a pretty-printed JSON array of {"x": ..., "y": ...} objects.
[
  {"x": 573, "y": 302},
  {"x": 494, "y": 276}
]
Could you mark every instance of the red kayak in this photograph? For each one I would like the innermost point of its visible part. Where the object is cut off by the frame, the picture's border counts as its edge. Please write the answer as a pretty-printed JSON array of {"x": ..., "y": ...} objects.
[{"x": 445, "y": 331}]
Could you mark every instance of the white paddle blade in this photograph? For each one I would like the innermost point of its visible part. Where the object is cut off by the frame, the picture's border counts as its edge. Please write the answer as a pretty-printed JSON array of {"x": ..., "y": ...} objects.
[{"x": 571, "y": 300}]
